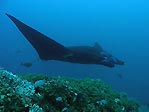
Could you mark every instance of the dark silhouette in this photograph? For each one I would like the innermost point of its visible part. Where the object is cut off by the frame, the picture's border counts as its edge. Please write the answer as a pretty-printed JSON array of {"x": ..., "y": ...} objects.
[
  {"x": 49, "y": 49},
  {"x": 27, "y": 64}
]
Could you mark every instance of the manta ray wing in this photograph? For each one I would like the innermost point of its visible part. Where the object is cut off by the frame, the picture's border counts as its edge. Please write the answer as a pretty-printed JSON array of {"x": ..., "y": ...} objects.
[{"x": 46, "y": 47}]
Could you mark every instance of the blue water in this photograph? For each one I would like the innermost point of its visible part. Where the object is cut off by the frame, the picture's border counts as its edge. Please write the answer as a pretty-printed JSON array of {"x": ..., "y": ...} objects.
[{"x": 120, "y": 26}]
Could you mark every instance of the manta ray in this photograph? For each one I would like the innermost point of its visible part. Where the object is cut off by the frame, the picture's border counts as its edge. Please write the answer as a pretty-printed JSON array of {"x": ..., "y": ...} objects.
[{"x": 49, "y": 49}]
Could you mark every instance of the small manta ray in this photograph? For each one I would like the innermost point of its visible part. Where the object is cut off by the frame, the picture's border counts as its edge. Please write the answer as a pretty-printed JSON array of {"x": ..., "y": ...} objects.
[{"x": 49, "y": 49}]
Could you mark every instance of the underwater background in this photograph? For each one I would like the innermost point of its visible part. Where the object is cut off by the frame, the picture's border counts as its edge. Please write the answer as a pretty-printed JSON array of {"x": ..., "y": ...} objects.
[{"x": 121, "y": 28}]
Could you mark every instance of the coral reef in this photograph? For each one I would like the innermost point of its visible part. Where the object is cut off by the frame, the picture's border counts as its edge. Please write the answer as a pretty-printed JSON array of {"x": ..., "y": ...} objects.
[{"x": 38, "y": 93}]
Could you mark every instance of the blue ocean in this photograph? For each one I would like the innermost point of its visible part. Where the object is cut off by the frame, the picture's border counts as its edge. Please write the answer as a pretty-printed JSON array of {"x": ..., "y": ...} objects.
[{"x": 119, "y": 26}]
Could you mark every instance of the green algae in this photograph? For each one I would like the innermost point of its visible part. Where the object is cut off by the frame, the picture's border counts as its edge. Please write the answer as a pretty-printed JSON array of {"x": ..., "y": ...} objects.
[{"x": 60, "y": 94}]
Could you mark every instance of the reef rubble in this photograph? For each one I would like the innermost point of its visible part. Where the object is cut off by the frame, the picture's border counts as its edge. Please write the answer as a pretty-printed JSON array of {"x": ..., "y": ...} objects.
[{"x": 39, "y": 93}]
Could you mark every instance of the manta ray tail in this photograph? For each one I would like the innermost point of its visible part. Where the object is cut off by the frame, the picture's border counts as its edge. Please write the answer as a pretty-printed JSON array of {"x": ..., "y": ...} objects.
[{"x": 46, "y": 47}]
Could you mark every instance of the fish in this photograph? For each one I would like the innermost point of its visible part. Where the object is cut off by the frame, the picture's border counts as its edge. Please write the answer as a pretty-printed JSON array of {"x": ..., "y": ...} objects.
[
  {"x": 29, "y": 64},
  {"x": 49, "y": 49},
  {"x": 26, "y": 64},
  {"x": 119, "y": 75}
]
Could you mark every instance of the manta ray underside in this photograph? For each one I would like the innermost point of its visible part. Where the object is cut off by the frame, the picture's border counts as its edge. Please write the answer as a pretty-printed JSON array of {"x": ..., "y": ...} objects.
[{"x": 49, "y": 49}]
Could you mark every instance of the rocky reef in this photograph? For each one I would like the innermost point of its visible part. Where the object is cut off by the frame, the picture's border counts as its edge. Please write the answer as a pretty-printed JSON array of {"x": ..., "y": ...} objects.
[{"x": 39, "y": 93}]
